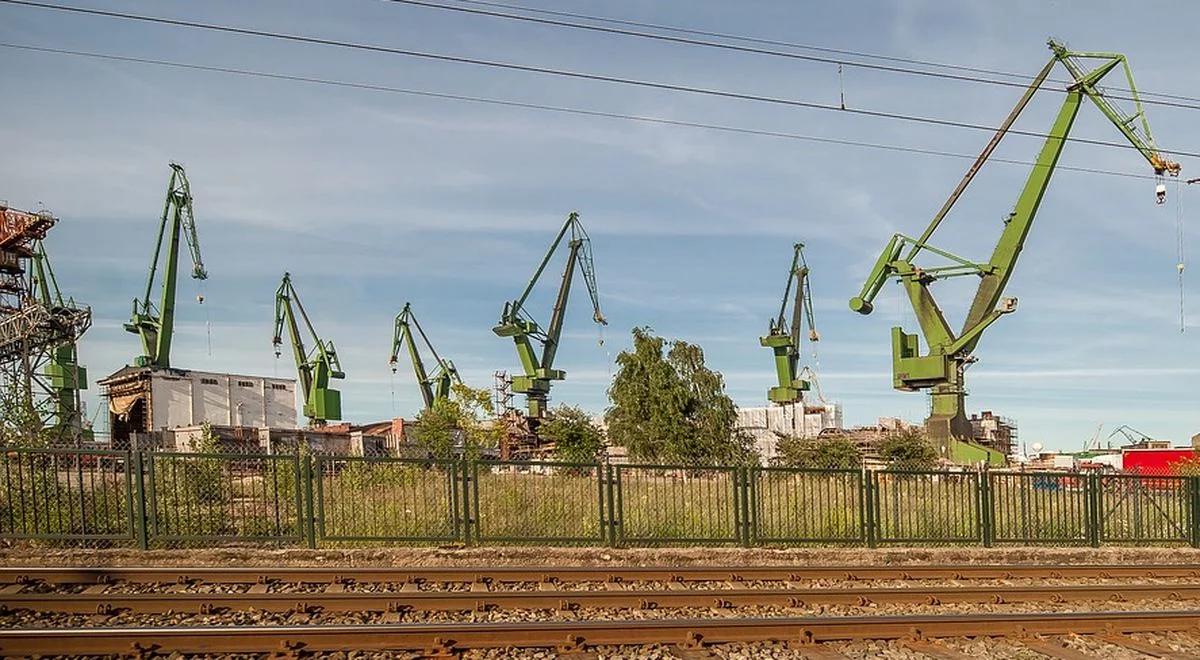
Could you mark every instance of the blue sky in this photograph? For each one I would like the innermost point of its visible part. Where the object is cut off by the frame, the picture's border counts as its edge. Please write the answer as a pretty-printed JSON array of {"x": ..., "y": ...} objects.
[{"x": 373, "y": 199}]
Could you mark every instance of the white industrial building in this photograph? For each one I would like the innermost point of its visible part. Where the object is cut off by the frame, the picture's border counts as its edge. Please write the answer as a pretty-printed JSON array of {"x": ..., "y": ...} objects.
[
  {"x": 145, "y": 400},
  {"x": 801, "y": 420}
]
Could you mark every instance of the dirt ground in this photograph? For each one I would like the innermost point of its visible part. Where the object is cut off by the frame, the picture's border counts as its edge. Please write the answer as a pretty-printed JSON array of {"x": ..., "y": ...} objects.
[{"x": 526, "y": 556}]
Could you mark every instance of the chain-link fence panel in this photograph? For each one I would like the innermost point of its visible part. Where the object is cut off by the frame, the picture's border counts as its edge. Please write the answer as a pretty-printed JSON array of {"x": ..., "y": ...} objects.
[
  {"x": 368, "y": 500},
  {"x": 538, "y": 502},
  {"x": 66, "y": 497},
  {"x": 798, "y": 506},
  {"x": 203, "y": 499},
  {"x": 667, "y": 504}
]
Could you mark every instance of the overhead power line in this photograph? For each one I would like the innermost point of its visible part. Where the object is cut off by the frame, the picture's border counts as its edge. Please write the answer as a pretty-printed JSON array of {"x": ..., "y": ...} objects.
[
  {"x": 791, "y": 44},
  {"x": 577, "y": 75},
  {"x": 548, "y": 108},
  {"x": 749, "y": 49}
]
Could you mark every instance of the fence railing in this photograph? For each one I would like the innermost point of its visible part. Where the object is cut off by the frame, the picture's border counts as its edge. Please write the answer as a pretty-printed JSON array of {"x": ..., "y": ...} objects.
[{"x": 158, "y": 499}]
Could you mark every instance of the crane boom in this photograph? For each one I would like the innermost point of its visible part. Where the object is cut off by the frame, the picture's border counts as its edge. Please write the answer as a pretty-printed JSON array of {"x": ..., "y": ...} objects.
[
  {"x": 783, "y": 337},
  {"x": 515, "y": 322},
  {"x": 941, "y": 369},
  {"x": 433, "y": 386},
  {"x": 156, "y": 325},
  {"x": 315, "y": 368}
]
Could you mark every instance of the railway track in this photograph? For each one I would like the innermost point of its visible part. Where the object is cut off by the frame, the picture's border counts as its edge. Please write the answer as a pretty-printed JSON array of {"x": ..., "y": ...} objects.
[
  {"x": 303, "y": 610},
  {"x": 807, "y": 634},
  {"x": 337, "y": 600},
  {"x": 574, "y": 574}
]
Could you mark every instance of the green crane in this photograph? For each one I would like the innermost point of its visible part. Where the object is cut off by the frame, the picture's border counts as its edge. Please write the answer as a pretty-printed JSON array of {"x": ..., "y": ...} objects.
[
  {"x": 783, "y": 337},
  {"x": 433, "y": 386},
  {"x": 515, "y": 322},
  {"x": 315, "y": 369},
  {"x": 156, "y": 325},
  {"x": 66, "y": 377},
  {"x": 940, "y": 370}
]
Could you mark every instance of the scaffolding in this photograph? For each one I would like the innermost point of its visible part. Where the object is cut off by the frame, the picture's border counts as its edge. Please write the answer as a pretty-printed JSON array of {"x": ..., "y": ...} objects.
[{"x": 38, "y": 332}]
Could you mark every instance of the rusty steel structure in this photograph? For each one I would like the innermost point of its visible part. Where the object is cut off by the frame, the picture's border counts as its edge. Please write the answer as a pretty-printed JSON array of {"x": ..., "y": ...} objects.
[{"x": 40, "y": 390}]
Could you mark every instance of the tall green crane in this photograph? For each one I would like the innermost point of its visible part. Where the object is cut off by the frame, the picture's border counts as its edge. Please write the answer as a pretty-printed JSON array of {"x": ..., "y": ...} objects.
[
  {"x": 156, "y": 325},
  {"x": 515, "y": 322},
  {"x": 66, "y": 377},
  {"x": 784, "y": 336},
  {"x": 940, "y": 370},
  {"x": 434, "y": 385},
  {"x": 315, "y": 368}
]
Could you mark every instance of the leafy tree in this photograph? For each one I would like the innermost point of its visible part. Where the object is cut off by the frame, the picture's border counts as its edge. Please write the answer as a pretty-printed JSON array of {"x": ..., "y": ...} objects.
[
  {"x": 576, "y": 438},
  {"x": 459, "y": 421},
  {"x": 671, "y": 407},
  {"x": 21, "y": 425},
  {"x": 833, "y": 453},
  {"x": 908, "y": 449}
]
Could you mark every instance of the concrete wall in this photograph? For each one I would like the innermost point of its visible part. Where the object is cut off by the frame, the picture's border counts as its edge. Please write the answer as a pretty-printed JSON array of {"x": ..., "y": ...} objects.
[{"x": 188, "y": 398}]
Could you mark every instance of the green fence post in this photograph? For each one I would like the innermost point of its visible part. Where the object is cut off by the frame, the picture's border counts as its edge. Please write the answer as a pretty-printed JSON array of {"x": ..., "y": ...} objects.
[
  {"x": 1194, "y": 510},
  {"x": 752, "y": 535},
  {"x": 610, "y": 500},
  {"x": 987, "y": 520},
  {"x": 867, "y": 497},
  {"x": 468, "y": 466},
  {"x": 139, "y": 495},
  {"x": 741, "y": 480},
  {"x": 1093, "y": 506},
  {"x": 310, "y": 509}
]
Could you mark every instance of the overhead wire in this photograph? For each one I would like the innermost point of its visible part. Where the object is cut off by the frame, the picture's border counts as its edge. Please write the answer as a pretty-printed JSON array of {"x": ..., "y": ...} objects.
[
  {"x": 724, "y": 128},
  {"x": 792, "y": 44},
  {"x": 579, "y": 75},
  {"x": 757, "y": 50}
]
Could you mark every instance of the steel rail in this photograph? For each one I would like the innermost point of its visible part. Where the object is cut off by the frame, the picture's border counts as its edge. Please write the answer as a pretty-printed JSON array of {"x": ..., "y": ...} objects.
[
  {"x": 573, "y": 635},
  {"x": 250, "y": 575},
  {"x": 449, "y": 601}
]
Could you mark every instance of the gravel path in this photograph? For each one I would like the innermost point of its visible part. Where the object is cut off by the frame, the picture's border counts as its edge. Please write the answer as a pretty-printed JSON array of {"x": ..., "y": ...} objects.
[{"x": 524, "y": 556}]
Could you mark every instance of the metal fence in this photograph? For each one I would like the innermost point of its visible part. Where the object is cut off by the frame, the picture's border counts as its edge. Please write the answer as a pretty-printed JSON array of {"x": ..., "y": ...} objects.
[{"x": 158, "y": 499}]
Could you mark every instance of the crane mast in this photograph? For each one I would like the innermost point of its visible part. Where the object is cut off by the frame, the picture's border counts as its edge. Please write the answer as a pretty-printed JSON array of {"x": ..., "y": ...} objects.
[
  {"x": 941, "y": 369},
  {"x": 783, "y": 336},
  {"x": 515, "y": 322},
  {"x": 314, "y": 369},
  {"x": 433, "y": 386},
  {"x": 67, "y": 378},
  {"x": 156, "y": 325}
]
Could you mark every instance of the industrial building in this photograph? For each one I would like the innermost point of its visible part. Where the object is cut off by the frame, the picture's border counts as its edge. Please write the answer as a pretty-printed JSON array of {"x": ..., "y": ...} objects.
[
  {"x": 144, "y": 401},
  {"x": 801, "y": 420}
]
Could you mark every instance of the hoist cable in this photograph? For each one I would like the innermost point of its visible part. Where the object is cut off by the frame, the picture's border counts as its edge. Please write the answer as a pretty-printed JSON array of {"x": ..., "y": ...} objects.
[{"x": 1179, "y": 264}]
